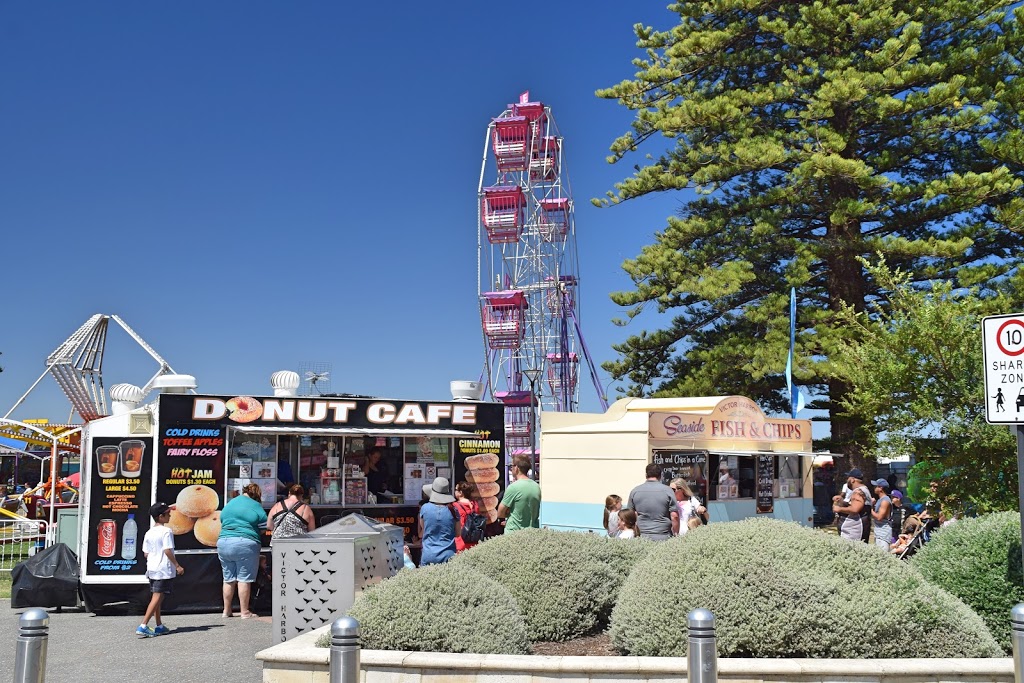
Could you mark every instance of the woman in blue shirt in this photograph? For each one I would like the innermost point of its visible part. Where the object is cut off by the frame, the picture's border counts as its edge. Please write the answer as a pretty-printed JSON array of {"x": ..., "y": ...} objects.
[
  {"x": 439, "y": 523},
  {"x": 238, "y": 546}
]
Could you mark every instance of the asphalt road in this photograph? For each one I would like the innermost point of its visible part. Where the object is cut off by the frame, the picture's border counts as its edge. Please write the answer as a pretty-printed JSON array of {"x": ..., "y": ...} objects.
[{"x": 84, "y": 648}]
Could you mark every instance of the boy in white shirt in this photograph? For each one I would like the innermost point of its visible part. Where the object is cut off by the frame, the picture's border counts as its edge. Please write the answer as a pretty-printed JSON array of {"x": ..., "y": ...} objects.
[{"x": 161, "y": 567}]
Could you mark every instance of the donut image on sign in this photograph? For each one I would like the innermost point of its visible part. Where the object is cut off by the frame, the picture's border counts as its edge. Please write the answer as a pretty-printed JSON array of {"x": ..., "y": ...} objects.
[
  {"x": 179, "y": 523},
  {"x": 197, "y": 501},
  {"x": 244, "y": 409},
  {"x": 482, "y": 470},
  {"x": 488, "y": 489},
  {"x": 207, "y": 529}
]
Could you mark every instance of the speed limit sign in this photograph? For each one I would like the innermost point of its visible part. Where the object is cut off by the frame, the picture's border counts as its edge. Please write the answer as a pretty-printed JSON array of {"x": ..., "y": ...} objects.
[{"x": 1003, "y": 343}]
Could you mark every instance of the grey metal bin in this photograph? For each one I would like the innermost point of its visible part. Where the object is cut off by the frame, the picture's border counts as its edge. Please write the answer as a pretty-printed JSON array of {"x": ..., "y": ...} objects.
[{"x": 317, "y": 575}]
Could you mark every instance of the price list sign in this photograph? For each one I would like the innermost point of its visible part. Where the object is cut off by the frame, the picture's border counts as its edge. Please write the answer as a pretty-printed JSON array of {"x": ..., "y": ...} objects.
[{"x": 765, "y": 483}]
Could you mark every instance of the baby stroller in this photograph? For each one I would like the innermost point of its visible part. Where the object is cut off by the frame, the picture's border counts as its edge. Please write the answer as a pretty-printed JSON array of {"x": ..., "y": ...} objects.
[{"x": 922, "y": 534}]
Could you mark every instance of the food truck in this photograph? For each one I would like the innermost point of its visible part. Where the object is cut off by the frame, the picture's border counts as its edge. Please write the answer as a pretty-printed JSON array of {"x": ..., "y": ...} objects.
[
  {"x": 737, "y": 460},
  {"x": 196, "y": 452}
]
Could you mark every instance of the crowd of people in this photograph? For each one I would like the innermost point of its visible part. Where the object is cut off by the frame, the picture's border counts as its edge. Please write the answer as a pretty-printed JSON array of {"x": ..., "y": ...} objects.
[
  {"x": 448, "y": 525},
  {"x": 879, "y": 512},
  {"x": 653, "y": 510}
]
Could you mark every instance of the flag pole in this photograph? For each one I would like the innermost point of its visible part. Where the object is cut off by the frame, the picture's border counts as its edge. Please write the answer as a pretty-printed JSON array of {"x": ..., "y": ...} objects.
[{"x": 792, "y": 348}]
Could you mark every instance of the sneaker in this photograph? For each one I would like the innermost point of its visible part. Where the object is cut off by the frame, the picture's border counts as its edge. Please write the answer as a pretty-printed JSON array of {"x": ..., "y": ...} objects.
[
  {"x": 144, "y": 632},
  {"x": 161, "y": 630}
]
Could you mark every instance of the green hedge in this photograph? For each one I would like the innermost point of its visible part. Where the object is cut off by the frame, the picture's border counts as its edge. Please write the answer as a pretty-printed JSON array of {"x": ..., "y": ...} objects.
[
  {"x": 978, "y": 560},
  {"x": 564, "y": 582},
  {"x": 781, "y": 590},
  {"x": 441, "y": 608}
]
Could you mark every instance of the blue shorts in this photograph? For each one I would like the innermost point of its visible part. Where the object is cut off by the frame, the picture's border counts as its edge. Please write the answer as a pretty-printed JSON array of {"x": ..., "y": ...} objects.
[{"x": 239, "y": 559}]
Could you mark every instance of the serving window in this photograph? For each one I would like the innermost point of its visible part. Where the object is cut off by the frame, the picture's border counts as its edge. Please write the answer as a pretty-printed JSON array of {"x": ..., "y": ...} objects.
[
  {"x": 253, "y": 460},
  {"x": 734, "y": 477},
  {"x": 340, "y": 470}
]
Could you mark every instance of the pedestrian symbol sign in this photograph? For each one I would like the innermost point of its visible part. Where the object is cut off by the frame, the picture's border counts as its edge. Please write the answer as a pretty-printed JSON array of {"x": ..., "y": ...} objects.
[{"x": 1003, "y": 344}]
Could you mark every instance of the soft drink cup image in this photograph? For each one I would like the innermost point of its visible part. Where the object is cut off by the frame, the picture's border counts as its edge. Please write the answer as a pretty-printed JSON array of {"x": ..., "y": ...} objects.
[
  {"x": 107, "y": 458},
  {"x": 131, "y": 457}
]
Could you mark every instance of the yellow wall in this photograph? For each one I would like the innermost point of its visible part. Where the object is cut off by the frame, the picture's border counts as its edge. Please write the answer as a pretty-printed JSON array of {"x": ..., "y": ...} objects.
[{"x": 578, "y": 468}]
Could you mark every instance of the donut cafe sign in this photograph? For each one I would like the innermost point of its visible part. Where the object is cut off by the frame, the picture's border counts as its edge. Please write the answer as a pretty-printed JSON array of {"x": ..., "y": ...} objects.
[
  {"x": 247, "y": 409},
  {"x": 737, "y": 421}
]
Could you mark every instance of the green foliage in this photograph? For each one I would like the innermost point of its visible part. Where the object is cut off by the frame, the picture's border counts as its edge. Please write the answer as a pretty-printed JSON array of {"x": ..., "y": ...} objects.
[
  {"x": 914, "y": 369},
  {"x": 441, "y": 608},
  {"x": 978, "y": 560},
  {"x": 781, "y": 590},
  {"x": 918, "y": 479},
  {"x": 811, "y": 134},
  {"x": 565, "y": 583}
]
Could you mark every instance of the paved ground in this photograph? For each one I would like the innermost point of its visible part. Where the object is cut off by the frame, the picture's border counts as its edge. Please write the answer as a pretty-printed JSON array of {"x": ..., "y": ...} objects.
[{"x": 84, "y": 648}]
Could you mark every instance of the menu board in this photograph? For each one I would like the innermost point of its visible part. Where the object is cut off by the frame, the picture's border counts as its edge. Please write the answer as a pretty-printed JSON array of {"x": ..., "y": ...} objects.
[
  {"x": 688, "y": 465},
  {"x": 118, "y": 514},
  {"x": 190, "y": 478},
  {"x": 765, "y": 494}
]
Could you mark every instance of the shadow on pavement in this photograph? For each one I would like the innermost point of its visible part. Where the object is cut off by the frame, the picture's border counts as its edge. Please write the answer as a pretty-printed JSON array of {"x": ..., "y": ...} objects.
[{"x": 87, "y": 648}]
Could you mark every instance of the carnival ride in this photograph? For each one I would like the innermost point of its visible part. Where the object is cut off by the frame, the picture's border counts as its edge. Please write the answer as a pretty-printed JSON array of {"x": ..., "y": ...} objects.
[
  {"x": 528, "y": 273},
  {"x": 77, "y": 367}
]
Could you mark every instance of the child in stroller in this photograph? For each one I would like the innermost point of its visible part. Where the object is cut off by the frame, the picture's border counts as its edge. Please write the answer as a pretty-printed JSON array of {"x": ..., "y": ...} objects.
[{"x": 917, "y": 531}]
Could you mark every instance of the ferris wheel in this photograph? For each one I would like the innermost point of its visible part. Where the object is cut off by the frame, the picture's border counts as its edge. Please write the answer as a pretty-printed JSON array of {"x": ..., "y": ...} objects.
[{"x": 528, "y": 272}]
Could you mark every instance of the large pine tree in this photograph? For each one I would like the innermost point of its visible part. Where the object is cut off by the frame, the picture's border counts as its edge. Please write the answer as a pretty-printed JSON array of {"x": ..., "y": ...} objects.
[{"x": 814, "y": 133}]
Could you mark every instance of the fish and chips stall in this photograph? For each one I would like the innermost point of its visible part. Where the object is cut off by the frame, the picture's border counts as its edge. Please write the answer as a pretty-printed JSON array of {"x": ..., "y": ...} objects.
[{"x": 737, "y": 460}]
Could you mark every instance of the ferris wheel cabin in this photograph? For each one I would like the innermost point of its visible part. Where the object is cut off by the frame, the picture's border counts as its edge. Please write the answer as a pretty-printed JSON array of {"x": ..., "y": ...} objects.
[
  {"x": 510, "y": 139},
  {"x": 560, "y": 299},
  {"x": 544, "y": 162},
  {"x": 502, "y": 209},
  {"x": 563, "y": 370},
  {"x": 554, "y": 219},
  {"x": 534, "y": 113},
  {"x": 502, "y": 314},
  {"x": 519, "y": 407}
]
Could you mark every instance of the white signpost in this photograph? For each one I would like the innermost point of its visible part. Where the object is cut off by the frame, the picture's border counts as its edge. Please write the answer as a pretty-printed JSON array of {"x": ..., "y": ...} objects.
[{"x": 1003, "y": 346}]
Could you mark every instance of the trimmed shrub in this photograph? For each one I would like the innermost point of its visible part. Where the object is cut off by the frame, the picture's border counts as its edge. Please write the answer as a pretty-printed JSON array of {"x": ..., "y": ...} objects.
[
  {"x": 564, "y": 582},
  {"x": 440, "y": 608},
  {"x": 781, "y": 590},
  {"x": 978, "y": 560}
]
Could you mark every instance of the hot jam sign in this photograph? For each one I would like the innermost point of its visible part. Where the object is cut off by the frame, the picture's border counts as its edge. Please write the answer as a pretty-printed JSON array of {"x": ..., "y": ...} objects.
[{"x": 737, "y": 420}]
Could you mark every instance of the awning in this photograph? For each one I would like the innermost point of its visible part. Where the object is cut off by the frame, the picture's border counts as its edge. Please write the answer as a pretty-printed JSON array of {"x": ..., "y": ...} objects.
[{"x": 354, "y": 431}]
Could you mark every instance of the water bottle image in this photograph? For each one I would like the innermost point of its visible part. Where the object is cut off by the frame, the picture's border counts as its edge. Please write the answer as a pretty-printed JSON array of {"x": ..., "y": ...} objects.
[{"x": 130, "y": 534}]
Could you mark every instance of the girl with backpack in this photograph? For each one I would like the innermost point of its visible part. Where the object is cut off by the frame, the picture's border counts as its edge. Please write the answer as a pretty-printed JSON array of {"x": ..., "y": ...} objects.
[
  {"x": 291, "y": 516},
  {"x": 466, "y": 505}
]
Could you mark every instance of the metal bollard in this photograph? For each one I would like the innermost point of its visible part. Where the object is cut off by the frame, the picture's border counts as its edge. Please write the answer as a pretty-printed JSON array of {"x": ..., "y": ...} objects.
[
  {"x": 1017, "y": 634},
  {"x": 701, "y": 649},
  {"x": 30, "y": 653},
  {"x": 345, "y": 650}
]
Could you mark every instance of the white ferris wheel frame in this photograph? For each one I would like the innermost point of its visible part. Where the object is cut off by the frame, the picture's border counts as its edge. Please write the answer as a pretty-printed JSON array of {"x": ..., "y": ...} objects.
[{"x": 538, "y": 267}]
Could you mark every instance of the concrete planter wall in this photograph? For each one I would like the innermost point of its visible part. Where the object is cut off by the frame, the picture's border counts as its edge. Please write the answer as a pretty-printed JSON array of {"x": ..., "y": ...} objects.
[{"x": 300, "y": 661}]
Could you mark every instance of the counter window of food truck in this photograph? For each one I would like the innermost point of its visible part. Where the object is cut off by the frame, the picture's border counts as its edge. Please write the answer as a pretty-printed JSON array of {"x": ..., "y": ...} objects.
[
  {"x": 340, "y": 470},
  {"x": 723, "y": 476}
]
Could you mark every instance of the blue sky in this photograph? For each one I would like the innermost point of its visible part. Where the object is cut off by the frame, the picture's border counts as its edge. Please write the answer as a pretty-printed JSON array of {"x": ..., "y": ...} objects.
[{"x": 254, "y": 185}]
